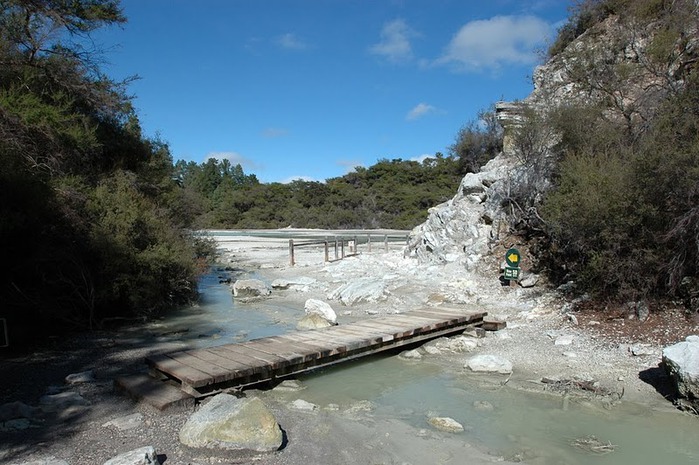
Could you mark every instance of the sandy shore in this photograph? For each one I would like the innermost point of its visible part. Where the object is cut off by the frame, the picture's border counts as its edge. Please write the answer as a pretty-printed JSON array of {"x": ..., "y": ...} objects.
[{"x": 541, "y": 341}]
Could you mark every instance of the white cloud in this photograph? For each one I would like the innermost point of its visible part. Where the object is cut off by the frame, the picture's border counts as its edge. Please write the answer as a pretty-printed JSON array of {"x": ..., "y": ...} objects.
[
  {"x": 291, "y": 42},
  {"x": 420, "y": 110},
  {"x": 291, "y": 179},
  {"x": 422, "y": 158},
  {"x": 235, "y": 158},
  {"x": 349, "y": 165},
  {"x": 495, "y": 42},
  {"x": 395, "y": 42},
  {"x": 273, "y": 133}
]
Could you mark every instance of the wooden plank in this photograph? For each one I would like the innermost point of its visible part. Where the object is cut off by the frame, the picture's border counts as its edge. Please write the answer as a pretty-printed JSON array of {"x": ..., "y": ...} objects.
[
  {"x": 309, "y": 352},
  {"x": 256, "y": 364},
  {"x": 176, "y": 369},
  {"x": 216, "y": 374},
  {"x": 398, "y": 331},
  {"x": 309, "y": 345},
  {"x": 377, "y": 334},
  {"x": 292, "y": 355},
  {"x": 270, "y": 361},
  {"x": 324, "y": 348},
  {"x": 366, "y": 336},
  {"x": 350, "y": 341},
  {"x": 226, "y": 363}
]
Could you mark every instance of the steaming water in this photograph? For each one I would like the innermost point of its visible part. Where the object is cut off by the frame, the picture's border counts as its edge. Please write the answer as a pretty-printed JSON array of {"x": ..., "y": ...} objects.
[{"x": 536, "y": 428}]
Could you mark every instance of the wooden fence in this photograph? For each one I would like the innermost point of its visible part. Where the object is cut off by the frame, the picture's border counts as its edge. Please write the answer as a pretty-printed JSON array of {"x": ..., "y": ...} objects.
[{"x": 343, "y": 246}]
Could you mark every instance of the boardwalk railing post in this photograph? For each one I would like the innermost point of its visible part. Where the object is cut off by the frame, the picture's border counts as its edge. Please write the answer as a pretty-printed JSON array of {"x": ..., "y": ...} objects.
[
  {"x": 385, "y": 242},
  {"x": 336, "y": 249},
  {"x": 327, "y": 252},
  {"x": 291, "y": 252},
  {"x": 368, "y": 242},
  {"x": 342, "y": 248},
  {"x": 355, "y": 248}
]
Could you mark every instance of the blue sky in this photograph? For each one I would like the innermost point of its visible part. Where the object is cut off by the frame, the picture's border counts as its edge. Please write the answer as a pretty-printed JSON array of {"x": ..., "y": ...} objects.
[{"x": 312, "y": 88}]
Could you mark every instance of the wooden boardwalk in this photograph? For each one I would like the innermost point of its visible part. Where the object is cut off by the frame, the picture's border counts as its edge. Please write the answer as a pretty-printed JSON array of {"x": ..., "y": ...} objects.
[{"x": 204, "y": 371}]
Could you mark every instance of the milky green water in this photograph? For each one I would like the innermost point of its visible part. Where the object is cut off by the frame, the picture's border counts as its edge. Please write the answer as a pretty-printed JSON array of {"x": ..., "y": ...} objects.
[{"x": 537, "y": 428}]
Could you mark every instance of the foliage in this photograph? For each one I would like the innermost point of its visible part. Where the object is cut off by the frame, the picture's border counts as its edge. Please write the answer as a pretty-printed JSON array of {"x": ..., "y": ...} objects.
[
  {"x": 87, "y": 231},
  {"x": 477, "y": 142},
  {"x": 623, "y": 218},
  {"x": 390, "y": 194}
]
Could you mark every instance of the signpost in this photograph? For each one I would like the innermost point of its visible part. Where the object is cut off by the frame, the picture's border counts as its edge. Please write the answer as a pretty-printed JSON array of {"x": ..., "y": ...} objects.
[{"x": 512, "y": 270}]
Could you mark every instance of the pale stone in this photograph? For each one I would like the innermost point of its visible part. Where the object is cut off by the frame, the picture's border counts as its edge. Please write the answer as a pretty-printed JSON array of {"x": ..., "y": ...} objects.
[
  {"x": 446, "y": 424},
  {"x": 127, "y": 422},
  {"x": 289, "y": 385},
  {"x": 413, "y": 354},
  {"x": 80, "y": 378},
  {"x": 682, "y": 363},
  {"x": 300, "y": 404},
  {"x": 143, "y": 456},
  {"x": 229, "y": 423},
  {"x": 564, "y": 340},
  {"x": 320, "y": 308},
  {"x": 489, "y": 364},
  {"x": 313, "y": 321},
  {"x": 62, "y": 400},
  {"x": 483, "y": 406},
  {"x": 250, "y": 288}
]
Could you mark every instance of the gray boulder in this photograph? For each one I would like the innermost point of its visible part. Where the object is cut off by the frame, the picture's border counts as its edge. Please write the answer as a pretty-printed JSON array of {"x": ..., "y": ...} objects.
[
  {"x": 681, "y": 361},
  {"x": 232, "y": 424},
  {"x": 489, "y": 364},
  {"x": 250, "y": 288},
  {"x": 143, "y": 456}
]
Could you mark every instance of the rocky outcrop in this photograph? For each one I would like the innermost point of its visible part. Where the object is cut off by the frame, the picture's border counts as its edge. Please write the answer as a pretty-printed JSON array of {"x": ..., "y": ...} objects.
[
  {"x": 464, "y": 228},
  {"x": 232, "y": 424},
  {"x": 367, "y": 289}
]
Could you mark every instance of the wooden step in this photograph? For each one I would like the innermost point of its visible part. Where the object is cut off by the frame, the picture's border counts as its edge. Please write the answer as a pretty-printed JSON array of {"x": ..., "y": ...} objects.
[{"x": 156, "y": 393}]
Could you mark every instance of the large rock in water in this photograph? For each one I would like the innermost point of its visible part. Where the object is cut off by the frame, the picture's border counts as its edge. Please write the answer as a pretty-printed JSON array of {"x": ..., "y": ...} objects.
[
  {"x": 232, "y": 424},
  {"x": 682, "y": 363},
  {"x": 250, "y": 288}
]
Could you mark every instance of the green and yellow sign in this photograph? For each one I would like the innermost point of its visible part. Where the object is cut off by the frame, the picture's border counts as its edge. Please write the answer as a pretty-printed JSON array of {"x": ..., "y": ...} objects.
[{"x": 512, "y": 259}]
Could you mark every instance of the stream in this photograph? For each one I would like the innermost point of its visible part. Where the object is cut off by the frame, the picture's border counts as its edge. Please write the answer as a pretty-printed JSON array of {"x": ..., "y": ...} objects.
[{"x": 530, "y": 427}]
